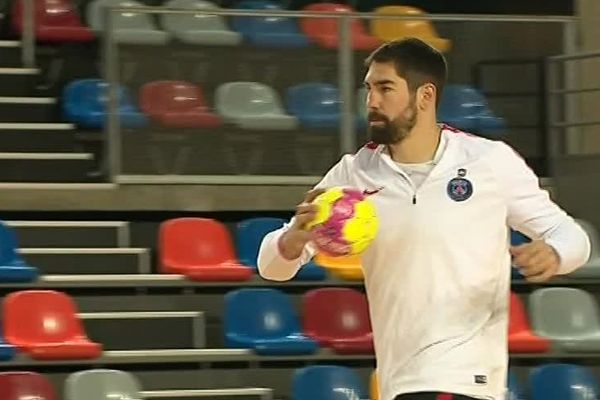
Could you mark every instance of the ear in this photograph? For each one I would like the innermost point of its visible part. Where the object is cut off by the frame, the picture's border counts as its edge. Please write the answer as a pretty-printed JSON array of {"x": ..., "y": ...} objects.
[{"x": 426, "y": 95}]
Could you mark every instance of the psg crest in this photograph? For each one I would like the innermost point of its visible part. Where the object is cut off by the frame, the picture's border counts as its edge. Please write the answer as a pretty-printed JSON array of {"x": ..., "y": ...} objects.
[{"x": 460, "y": 188}]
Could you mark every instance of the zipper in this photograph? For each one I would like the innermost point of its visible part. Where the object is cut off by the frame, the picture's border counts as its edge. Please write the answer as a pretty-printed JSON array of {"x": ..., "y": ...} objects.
[{"x": 414, "y": 199}]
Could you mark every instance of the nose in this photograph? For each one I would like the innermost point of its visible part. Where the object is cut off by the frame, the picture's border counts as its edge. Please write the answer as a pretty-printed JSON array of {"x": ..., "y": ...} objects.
[{"x": 373, "y": 100}]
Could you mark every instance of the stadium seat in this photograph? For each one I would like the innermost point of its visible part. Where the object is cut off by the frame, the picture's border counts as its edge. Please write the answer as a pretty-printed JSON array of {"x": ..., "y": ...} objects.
[
  {"x": 268, "y": 31},
  {"x": 338, "y": 318},
  {"x": 521, "y": 338},
  {"x": 591, "y": 269},
  {"x": 249, "y": 235},
  {"x": 24, "y": 385},
  {"x": 56, "y": 21},
  {"x": 346, "y": 268},
  {"x": 200, "y": 28},
  {"x": 317, "y": 105},
  {"x": 327, "y": 382},
  {"x": 566, "y": 316},
  {"x": 128, "y": 27},
  {"x": 12, "y": 266},
  {"x": 324, "y": 31},
  {"x": 515, "y": 392},
  {"x": 252, "y": 105},
  {"x": 7, "y": 351},
  {"x": 85, "y": 104},
  {"x": 563, "y": 382},
  {"x": 465, "y": 108},
  {"x": 374, "y": 386},
  {"x": 177, "y": 104},
  {"x": 389, "y": 29},
  {"x": 102, "y": 384},
  {"x": 201, "y": 249},
  {"x": 516, "y": 239},
  {"x": 44, "y": 324},
  {"x": 264, "y": 320}
]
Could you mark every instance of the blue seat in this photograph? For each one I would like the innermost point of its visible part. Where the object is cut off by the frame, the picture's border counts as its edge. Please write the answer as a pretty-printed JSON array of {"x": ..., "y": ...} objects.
[
  {"x": 264, "y": 320},
  {"x": 327, "y": 382},
  {"x": 7, "y": 351},
  {"x": 12, "y": 267},
  {"x": 249, "y": 235},
  {"x": 268, "y": 31},
  {"x": 465, "y": 108},
  {"x": 515, "y": 392},
  {"x": 316, "y": 105},
  {"x": 563, "y": 382},
  {"x": 516, "y": 239},
  {"x": 84, "y": 103}
]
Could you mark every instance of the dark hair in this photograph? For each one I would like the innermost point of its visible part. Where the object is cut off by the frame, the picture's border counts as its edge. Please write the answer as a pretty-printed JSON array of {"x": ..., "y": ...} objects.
[{"x": 415, "y": 61}]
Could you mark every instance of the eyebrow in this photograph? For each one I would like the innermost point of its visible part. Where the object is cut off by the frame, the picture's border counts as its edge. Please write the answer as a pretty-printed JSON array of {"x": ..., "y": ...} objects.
[{"x": 381, "y": 82}]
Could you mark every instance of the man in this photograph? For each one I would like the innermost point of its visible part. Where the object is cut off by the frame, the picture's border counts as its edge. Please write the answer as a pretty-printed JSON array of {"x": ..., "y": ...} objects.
[{"x": 438, "y": 273}]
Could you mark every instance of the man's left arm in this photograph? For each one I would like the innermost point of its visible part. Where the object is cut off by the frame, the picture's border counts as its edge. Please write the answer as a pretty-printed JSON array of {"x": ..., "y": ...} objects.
[{"x": 559, "y": 244}]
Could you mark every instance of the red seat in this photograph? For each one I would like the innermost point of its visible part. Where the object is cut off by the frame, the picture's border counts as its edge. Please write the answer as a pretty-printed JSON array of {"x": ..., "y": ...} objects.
[
  {"x": 55, "y": 21},
  {"x": 200, "y": 249},
  {"x": 177, "y": 104},
  {"x": 521, "y": 339},
  {"x": 44, "y": 324},
  {"x": 338, "y": 318},
  {"x": 324, "y": 31},
  {"x": 25, "y": 385}
]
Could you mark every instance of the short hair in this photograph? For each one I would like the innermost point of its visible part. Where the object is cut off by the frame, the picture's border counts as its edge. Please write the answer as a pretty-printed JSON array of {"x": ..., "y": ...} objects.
[{"x": 415, "y": 61}]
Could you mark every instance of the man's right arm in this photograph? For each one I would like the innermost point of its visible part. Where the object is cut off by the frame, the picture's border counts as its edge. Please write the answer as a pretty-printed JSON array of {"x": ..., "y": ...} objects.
[{"x": 284, "y": 251}]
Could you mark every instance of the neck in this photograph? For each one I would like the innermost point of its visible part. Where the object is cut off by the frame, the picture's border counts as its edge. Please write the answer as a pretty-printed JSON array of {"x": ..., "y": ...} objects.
[{"x": 419, "y": 146}]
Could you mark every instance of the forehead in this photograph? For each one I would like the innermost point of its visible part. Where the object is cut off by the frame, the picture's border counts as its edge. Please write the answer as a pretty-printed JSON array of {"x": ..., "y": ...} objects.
[{"x": 382, "y": 71}]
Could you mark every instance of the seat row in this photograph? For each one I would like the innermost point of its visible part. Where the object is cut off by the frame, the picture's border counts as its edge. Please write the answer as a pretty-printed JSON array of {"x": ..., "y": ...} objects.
[
  {"x": 253, "y": 106},
  {"x": 58, "y": 21}
]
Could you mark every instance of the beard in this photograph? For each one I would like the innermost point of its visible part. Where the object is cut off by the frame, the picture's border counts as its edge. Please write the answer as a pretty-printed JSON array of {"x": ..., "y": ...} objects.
[{"x": 393, "y": 131}]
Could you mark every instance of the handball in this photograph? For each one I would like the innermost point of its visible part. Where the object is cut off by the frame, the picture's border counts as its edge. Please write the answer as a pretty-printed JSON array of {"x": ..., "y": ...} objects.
[{"x": 346, "y": 222}]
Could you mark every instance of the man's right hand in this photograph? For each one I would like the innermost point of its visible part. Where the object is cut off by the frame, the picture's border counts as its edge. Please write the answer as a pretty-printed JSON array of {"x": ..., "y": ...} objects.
[{"x": 292, "y": 242}]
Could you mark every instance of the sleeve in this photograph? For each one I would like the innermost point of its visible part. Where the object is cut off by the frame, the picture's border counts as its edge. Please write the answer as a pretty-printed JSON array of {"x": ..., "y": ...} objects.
[
  {"x": 531, "y": 211},
  {"x": 271, "y": 264}
]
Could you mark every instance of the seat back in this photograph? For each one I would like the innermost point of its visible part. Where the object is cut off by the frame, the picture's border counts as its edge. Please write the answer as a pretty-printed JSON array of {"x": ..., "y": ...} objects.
[
  {"x": 8, "y": 246},
  {"x": 558, "y": 312},
  {"x": 193, "y": 22},
  {"x": 249, "y": 236},
  {"x": 102, "y": 384},
  {"x": 40, "y": 316},
  {"x": 59, "y": 13},
  {"x": 563, "y": 382},
  {"x": 462, "y": 101},
  {"x": 259, "y": 313},
  {"x": 92, "y": 95},
  {"x": 235, "y": 99},
  {"x": 120, "y": 20},
  {"x": 313, "y": 99},
  {"x": 316, "y": 27},
  {"x": 195, "y": 241},
  {"x": 514, "y": 388},
  {"x": 335, "y": 313},
  {"x": 327, "y": 382},
  {"x": 518, "y": 317},
  {"x": 254, "y": 25},
  {"x": 390, "y": 29},
  {"x": 22, "y": 385},
  {"x": 160, "y": 96}
]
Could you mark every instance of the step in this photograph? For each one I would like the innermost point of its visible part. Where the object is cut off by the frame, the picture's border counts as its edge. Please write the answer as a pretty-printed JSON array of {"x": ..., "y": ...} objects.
[
  {"x": 31, "y": 137},
  {"x": 10, "y": 53},
  {"x": 18, "y": 81},
  {"x": 30, "y": 109},
  {"x": 223, "y": 394},
  {"x": 45, "y": 167},
  {"x": 154, "y": 330},
  {"x": 85, "y": 261},
  {"x": 71, "y": 233}
]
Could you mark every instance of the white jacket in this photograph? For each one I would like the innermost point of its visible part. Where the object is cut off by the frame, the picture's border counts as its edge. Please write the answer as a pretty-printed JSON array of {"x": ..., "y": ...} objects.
[{"x": 437, "y": 276}]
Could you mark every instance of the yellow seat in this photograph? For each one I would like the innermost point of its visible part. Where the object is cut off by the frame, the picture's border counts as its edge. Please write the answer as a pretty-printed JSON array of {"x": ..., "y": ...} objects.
[
  {"x": 347, "y": 268},
  {"x": 392, "y": 29},
  {"x": 374, "y": 386}
]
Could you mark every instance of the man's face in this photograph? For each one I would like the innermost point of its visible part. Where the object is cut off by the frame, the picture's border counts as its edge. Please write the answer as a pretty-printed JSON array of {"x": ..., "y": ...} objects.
[{"x": 392, "y": 112}]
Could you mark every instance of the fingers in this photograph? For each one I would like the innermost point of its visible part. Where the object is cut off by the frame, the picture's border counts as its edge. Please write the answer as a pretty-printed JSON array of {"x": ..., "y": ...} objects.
[
  {"x": 305, "y": 213},
  {"x": 312, "y": 194},
  {"x": 537, "y": 261}
]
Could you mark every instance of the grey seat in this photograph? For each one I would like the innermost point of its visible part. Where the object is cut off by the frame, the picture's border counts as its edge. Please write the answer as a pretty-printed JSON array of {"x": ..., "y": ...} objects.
[
  {"x": 592, "y": 268},
  {"x": 198, "y": 28},
  {"x": 128, "y": 27},
  {"x": 102, "y": 384},
  {"x": 252, "y": 105},
  {"x": 566, "y": 316}
]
